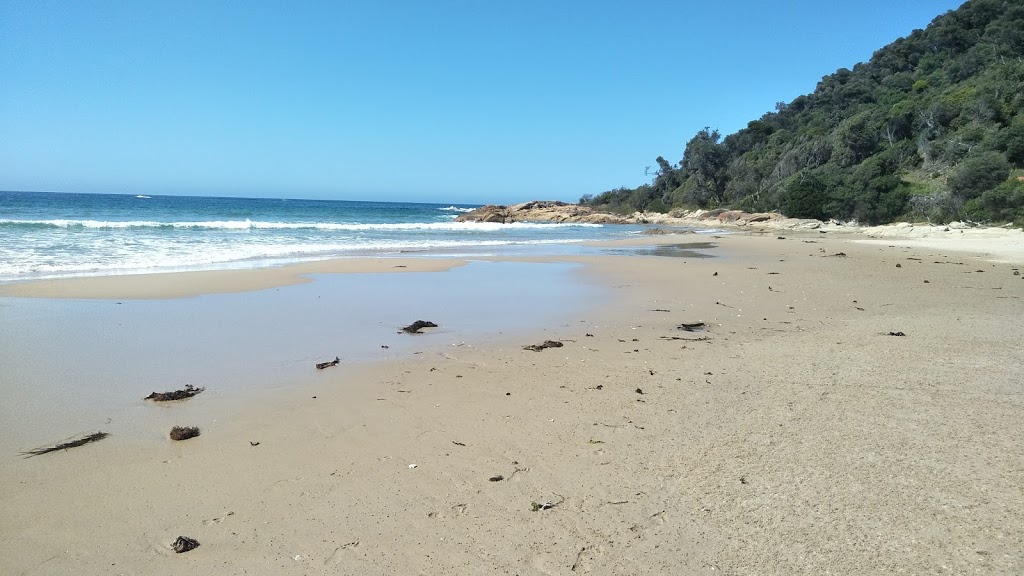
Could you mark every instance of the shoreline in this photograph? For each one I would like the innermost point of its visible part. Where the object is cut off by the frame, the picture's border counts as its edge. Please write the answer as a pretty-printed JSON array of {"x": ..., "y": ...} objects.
[
  {"x": 169, "y": 285},
  {"x": 791, "y": 436},
  {"x": 1000, "y": 244},
  {"x": 81, "y": 362}
]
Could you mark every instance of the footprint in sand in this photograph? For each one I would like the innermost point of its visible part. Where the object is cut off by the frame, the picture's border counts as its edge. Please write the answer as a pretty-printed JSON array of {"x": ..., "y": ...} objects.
[
  {"x": 218, "y": 519},
  {"x": 339, "y": 553},
  {"x": 586, "y": 558}
]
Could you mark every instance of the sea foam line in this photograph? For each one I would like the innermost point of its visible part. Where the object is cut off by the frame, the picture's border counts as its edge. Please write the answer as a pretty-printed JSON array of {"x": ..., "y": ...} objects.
[
  {"x": 259, "y": 225},
  {"x": 167, "y": 258}
]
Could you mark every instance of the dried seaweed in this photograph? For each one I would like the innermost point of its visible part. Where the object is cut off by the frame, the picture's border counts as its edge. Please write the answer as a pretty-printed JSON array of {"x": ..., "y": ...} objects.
[
  {"x": 65, "y": 445},
  {"x": 184, "y": 432},
  {"x": 323, "y": 365},
  {"x": 418, "y": 325},
  {"x": 543, "y": 345},
  {"x": 187, "y": 392}
]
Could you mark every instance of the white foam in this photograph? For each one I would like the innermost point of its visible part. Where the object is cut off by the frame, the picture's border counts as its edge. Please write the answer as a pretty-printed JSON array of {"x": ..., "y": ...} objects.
[
  {"x": 456, "y": 209},
  {"x": 260, "y": 225},
  {"x": 109, "y": 256}
]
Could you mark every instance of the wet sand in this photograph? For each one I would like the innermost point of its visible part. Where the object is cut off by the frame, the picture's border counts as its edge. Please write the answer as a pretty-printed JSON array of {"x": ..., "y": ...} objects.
[
  {"x": 792, "y": 436},
  {"x": 72, "y": 365}
]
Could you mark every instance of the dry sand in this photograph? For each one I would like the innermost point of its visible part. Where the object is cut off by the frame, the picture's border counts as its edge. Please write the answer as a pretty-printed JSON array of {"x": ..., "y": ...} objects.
[{"x": 794, "y": 436}]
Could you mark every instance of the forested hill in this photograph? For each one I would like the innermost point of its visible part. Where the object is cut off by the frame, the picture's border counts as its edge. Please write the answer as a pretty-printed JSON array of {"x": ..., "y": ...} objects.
[{"x": 931, "y": 128}]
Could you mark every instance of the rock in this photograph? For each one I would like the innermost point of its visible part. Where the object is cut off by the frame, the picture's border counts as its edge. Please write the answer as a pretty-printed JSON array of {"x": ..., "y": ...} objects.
[
  {"x": 657, "y": 231},
  {"x": 731, "y": 216},
  {"x": 541, "y": 211},
  {"x": 184, "y": 544},
  {"x": 489, "y": 213}
]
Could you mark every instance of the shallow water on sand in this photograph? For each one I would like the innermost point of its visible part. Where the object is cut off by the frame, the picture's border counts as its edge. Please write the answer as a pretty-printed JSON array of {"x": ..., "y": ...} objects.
[{"x": 77, "y": 366}]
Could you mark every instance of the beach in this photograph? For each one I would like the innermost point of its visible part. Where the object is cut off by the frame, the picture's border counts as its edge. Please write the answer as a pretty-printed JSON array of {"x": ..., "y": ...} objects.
[{"x": 839, "y": 404}]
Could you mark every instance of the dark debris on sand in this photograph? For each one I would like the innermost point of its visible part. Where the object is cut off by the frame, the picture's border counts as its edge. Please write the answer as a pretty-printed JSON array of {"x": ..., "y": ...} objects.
[
  {"x": 187, "y": 392},
  {"x": 184, "y": 432},
  {"x": 184, "y": 544},
  {"x": 543, "y": 345},
  {"x": 692, "y": 327},
  {"x": 322, "y": 365},
  {"x": 418, "y": 325},
  {"x": 95, "y": 437}
]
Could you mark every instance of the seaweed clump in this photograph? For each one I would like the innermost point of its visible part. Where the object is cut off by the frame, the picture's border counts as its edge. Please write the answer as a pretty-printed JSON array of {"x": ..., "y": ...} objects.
[
  {"x": 184, "y": 432},
  {"x": 82, "y": 441},
  {"x": 187, "y": 392}
]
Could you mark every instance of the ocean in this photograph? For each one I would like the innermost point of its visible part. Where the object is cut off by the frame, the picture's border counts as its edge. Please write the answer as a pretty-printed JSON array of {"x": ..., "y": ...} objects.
[{"x": 52, "y": 235}]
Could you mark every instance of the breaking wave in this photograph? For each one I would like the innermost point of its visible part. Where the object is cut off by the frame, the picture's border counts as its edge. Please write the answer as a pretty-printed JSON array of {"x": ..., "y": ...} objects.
[{"x": 259, "y": 225}]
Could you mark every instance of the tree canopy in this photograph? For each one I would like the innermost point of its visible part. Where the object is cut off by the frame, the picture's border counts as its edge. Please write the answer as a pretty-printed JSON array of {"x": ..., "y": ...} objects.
[{"x": 931, "y": 128}]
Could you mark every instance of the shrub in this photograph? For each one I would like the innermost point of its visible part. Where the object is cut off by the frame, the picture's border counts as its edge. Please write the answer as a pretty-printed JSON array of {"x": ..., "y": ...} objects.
[{"x": 979, "y": 174}]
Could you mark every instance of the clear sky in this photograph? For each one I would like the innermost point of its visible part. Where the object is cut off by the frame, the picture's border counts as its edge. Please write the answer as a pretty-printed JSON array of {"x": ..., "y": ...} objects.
[{"x": 447, "y": 101}]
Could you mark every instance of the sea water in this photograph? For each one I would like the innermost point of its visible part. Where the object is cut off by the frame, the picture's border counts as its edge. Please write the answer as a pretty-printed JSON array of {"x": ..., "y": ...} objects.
[{"x": 51, "y": 235}]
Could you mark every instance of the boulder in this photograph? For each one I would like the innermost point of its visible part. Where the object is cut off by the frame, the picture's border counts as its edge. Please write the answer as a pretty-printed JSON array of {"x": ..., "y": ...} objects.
[
  {"x": 731, "y": 215},
  {"x": 489, "y": 213},
  {"x": 540, "y": 211}
]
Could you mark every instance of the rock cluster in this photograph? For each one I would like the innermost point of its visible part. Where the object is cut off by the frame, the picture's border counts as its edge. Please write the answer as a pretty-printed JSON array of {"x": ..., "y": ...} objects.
[{"x": 542, "y": 211}]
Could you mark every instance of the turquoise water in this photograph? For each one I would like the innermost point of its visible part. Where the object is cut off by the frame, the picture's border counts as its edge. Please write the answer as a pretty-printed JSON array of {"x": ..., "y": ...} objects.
[{"x": 46, "y": 235}]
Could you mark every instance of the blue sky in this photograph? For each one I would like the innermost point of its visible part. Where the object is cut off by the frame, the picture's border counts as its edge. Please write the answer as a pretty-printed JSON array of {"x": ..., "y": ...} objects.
[{"x": 424, "y": 101}]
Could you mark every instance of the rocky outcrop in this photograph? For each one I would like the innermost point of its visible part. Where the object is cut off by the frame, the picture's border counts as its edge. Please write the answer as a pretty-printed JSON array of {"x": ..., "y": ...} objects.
[
  {"x": 734, "y": 219},
  {"x": 542, "y": 211}
]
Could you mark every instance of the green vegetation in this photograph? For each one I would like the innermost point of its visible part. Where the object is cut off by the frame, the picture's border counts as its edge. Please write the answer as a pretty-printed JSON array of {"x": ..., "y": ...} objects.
[{"x": 931, "y": 128}]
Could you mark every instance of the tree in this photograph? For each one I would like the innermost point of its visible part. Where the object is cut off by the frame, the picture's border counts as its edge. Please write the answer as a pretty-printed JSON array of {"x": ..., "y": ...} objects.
[
  {"x": 1012, "y": 141},
  {"x": 932, "y": 122},
  {"x": 705, "y": 160},
  {"x": 806, "y": 197}
]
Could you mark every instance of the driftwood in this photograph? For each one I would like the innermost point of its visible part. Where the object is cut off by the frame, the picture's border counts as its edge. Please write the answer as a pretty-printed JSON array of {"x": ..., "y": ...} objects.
[
  {"x": 543, "y": 345},
  {"x": 691, "y": 326},
  {"x": 698, "y": 339},
  {"x": 186, "y": 392},
  {"x": 184, "y": 432},
  {"x": 896, "y": 334},
  {"x": 418, "y": 325},
  {"x": 184, "y": 544},
  {"x": 323, "y": 365},
  {"x": 65, "y": 445}
]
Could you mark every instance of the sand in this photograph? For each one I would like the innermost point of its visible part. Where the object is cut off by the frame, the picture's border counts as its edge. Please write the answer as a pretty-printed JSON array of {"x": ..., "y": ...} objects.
[{"x": 793, "y": 436}]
